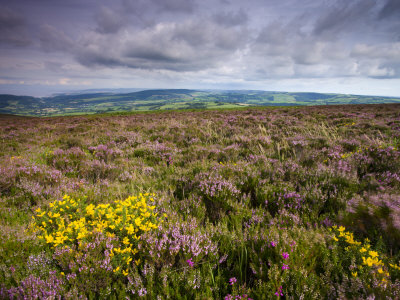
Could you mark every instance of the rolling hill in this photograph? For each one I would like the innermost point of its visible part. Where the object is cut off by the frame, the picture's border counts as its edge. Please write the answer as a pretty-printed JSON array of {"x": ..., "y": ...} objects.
[{"x": 93, "y": 102}]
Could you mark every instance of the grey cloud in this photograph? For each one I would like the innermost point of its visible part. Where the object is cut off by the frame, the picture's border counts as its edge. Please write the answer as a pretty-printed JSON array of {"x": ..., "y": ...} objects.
[
  {"x": 12, "y": 28},
  {"x": 203, "y": 33},
  {"x": 378, "y": 60},
  {"x": 52, "y": 39},
  {"x": 231, "y": 18},
  {"x": 390, "y": 51},
  {"x": 311, "y": 58},
  {"x": 152, "y": 54},
  {"x": 108, "y": 20},
  {"x": 308, "y": 53},
  {"x": 176, "y": 5},
  {"x": 10, "y": 19},
  {"x": 55, "y": 67},
  {"x": 207, "y": 40},
  {"x": 186, "y": 46},
  {"x": 375, "y": 69},
  {"x": 275, "y": 33},
  {"x": 390, "y": 9},
  {"x": 290, "y": 48},
  {"x": 161, "y": 6},
  {"x": 93, "y": 58},
  {"x": 343, "y": 15}
]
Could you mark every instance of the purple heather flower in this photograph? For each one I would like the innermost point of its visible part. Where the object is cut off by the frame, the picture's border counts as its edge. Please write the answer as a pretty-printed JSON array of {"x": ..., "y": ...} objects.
[
  {"x": 273, "y": 244},
  {"x": 142, "y": 292},
  {"x": 279, "y": 292},
  {"x": 190, "y": 262},
  {"x": 232, "y": 280},
  {"x": 228, "y": 297},
  {"x": 285, "y": 255},
  {"x": 285, "y": 267}
]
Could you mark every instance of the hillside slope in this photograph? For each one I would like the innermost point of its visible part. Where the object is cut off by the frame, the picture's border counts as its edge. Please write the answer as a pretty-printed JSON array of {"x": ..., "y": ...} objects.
[{"x": 166, "y": 99}]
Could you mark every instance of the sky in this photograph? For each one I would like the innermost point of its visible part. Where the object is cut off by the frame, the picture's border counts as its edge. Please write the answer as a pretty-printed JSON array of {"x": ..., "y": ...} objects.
[{"x": 338, "y": 46}]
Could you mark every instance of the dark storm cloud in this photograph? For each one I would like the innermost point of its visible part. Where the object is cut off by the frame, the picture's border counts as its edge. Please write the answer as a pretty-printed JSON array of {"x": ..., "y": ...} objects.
[{"x": 12, "y": 28}]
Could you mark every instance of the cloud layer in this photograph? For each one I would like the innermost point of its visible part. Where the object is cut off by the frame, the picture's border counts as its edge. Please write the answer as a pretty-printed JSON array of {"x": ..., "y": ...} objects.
[{"x": 195, "y": 43}]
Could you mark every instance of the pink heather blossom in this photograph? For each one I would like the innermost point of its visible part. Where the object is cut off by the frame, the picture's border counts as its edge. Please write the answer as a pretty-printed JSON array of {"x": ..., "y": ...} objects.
[
  {"x": 232, "y": 280},
  {"x": 285, "y": 267},
  {"x": 142, "y": 292},
  {"x": 285, "y": 255},
  {"x": 279, "y": 292},
  {"x": 190, "y": 262},
  {"x": 273, "y": 244}
]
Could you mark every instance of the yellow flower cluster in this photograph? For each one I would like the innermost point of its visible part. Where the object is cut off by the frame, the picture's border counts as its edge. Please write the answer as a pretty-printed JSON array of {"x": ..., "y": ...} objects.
[
  {"x": 348, "y": 154},
  {"x": 360, "y": 150},
  {"x": 348, "y": 236},
  {"x": 71, "y": 221},
  {"x": 385, "y": 146},
  {"x": 369, "y": 257},
  {"x": 16, "y": 157},
  {"x": 394, "y": 266}
]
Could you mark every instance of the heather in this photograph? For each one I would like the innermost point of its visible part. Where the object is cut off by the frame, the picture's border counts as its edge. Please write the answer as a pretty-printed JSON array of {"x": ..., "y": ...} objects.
[{"x": 256, "y": 203}]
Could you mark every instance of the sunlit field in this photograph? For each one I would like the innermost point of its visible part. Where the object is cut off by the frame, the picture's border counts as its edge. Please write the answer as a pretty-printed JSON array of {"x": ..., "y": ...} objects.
[{"x": 252, "y": 203}]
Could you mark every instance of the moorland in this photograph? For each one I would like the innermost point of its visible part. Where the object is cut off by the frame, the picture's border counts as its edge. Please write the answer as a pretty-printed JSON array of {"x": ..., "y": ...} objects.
[{"x": 249, "y": 203}]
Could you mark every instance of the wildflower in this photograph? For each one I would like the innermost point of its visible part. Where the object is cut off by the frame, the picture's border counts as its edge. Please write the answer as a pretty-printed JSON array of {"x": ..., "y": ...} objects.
[
  {"x": 285, "y": 255},
  {"x": 373, "y": 254},
  {"x": 190, "y": 262},
  {"x": 273, "y": 244},
  {"x": 279, "y": 292},
  {"x": 285, "y": 267},
  {"x": 142, "y": 292},
  {"x": 354, "y": 274},
  {"x": 232, "y": 281}
]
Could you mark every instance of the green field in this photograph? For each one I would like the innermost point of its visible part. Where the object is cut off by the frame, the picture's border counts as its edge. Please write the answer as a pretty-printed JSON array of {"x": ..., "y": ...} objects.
[{"x": 151, "y": 100}]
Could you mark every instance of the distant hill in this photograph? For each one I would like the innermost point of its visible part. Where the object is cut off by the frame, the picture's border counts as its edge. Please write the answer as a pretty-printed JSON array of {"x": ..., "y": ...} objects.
[{"x": 164, "y": 99}]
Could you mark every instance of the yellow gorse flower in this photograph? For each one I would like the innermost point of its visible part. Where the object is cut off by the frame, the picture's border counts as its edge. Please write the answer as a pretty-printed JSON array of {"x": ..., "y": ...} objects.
[
  {"x": 72, "y": 222},
  {"x": 370, "y": 258},
  {"x": 373, "y": 254}
]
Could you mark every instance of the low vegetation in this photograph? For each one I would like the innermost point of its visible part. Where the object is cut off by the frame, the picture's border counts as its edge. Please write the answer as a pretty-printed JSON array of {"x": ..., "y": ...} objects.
[{"x": 257, "y": 203}]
